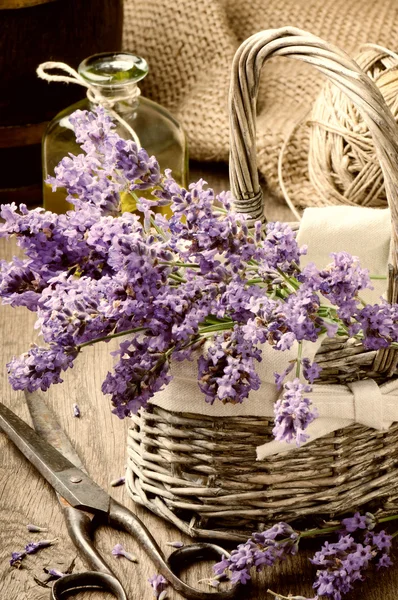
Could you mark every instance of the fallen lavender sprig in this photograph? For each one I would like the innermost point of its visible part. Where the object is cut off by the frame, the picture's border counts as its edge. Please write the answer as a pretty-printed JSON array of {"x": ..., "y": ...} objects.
[
  {"x": 118, "y": 481},
  {"x": 119, "y": 551},
  {"x": 55, "y": 573},
  {"x": 158, "y": 584},
  {"x": 98, "y": 273},
  {"x": 35, "y": 528},
  {"x": 33, "y": 547},
  {"x": 340, "y": 563},
  {"x": 30, "y": 548},
  {"x": 16, "y": 559},
  {"x": 175, "y": 544}
]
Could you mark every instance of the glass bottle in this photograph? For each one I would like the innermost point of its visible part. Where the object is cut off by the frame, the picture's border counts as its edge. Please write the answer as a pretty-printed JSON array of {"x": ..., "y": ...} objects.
[{"x": 115, "y": 76}]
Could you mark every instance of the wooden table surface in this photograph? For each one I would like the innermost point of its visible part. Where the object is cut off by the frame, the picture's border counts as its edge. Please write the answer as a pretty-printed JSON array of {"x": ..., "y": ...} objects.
[{"x": 100, "y": 439}]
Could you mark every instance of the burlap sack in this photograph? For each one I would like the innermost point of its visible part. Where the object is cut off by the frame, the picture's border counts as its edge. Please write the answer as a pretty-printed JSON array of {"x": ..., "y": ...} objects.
[{"x": 189, "y": 45}]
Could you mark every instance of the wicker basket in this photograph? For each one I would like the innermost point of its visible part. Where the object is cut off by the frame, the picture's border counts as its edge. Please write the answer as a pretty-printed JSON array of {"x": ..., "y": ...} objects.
[{"x": 200, "y": 472}]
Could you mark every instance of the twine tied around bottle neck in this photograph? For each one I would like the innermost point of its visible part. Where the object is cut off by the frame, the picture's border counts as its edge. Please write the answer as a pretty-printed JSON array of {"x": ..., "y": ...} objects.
[{"x": 93, "y": 93}]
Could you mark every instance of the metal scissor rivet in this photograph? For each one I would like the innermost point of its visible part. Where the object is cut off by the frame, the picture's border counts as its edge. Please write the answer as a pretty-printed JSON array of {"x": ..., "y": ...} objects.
[{"x": 75, "y": 479}]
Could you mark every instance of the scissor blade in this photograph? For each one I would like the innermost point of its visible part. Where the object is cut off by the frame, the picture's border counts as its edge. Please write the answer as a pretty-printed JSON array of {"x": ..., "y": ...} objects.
[
  {"x": 47, "y": 426},
  {"x": 69, "y": 481}
]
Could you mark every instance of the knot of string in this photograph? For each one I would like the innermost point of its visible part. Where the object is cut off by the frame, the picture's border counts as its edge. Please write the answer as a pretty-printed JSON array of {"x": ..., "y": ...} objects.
[{"x": 93, "y": 94}]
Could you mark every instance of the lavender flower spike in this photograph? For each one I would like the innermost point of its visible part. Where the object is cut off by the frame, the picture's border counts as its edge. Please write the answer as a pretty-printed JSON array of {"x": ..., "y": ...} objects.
[
  {"x": 33, "y": 547},
  {"x": 342, "y": 563},
  {"x": 159, "y": 584},
  {"x": 293, "y": 413},
  {"x": 262, "y": 549},
  {"x": 119, "y": 551}
]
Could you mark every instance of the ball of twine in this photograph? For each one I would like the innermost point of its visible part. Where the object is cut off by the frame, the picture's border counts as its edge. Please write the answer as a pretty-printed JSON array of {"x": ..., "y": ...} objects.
[{"x": 343, "y": 164}]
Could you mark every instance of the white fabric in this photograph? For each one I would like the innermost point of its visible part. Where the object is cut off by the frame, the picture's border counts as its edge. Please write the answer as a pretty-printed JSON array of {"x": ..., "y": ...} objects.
[{"x": 362, "y": 232}]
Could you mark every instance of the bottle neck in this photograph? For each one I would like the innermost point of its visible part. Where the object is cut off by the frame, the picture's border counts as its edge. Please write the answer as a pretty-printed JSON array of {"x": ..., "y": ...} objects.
[{"x": 122, "y": 98}]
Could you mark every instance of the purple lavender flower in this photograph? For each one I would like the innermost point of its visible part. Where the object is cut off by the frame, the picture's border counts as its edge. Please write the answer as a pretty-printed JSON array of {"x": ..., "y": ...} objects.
[
  {"x": 39, "y": 368},
  {"x": 53, "y": 244},
  {"x": 204, "y": 229},
  {"x": 340, "y": 563},
  {"x": 379, "y": 324},
  {"x": 282, "y": 323},
  {"x": 95, "y": 132},
  {"x": 158, "y": 583},
  {"x": 228, "y": 373},
  {"x": 71, "y": 311},
  {"x": 87, "y": 183},
  {"x": 20, "y": 284},
  {"x": 282, "y": 251},
  {"x": 16, "y": 558},
  {"x": 239, "y": 300},
  {"x": 119, "y": 551},
  {"x": 381, "y": 540},
  {"x": 141, "y": 171},
  {"x": 33, "y": 547},
  {"x": 310, "y": 371},
  {"x": 293, "y": 413},
  {"x": 384, "y": 561},
  {"x": 76, "y": 410},
  {"x": 359, "y": 521},
  {"x": 138, "y": 374},
  {"x": 341, "y": 281},
  {"x": 299, "y": 315},
  {"x": 262, "y": 549},
  {"x": 344, "y": 561},
  {"x": 111, "y": 165},
  {"x": 280, "y": 377}
]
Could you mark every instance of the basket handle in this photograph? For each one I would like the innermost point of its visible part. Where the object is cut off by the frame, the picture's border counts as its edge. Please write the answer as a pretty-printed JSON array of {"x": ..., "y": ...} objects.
[{"x": 337, "y": 66}]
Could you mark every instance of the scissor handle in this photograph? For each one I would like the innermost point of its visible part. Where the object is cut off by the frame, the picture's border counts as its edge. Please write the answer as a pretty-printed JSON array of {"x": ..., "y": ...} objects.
[
  {"x": 81, "y": 527},
  {"x": 83, "y": 582},
  {"x": 123, "y": 518}
]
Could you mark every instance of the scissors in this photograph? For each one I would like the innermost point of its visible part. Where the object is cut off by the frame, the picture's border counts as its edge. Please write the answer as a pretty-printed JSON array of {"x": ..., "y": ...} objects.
[{"x": 86, "y": 505}]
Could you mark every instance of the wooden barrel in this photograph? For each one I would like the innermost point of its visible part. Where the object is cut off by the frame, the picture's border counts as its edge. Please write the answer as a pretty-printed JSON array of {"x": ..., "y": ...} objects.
[{"x": 35, "y": 31}]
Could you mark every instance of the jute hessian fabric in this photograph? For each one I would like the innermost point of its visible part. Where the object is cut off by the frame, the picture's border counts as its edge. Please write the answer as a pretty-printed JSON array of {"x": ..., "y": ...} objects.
[{"x": 189, "y": 45}]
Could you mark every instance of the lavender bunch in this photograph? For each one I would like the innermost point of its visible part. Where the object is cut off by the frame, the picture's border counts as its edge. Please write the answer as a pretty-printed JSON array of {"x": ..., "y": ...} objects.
[
  {"x": 262, "y": 549},
  {"x": 340, "y": 563},
  {"x": 99, "y": 272}
]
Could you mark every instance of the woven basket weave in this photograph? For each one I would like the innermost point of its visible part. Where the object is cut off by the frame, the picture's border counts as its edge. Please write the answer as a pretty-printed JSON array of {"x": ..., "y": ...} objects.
[{"x": 201, "y": 472}]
